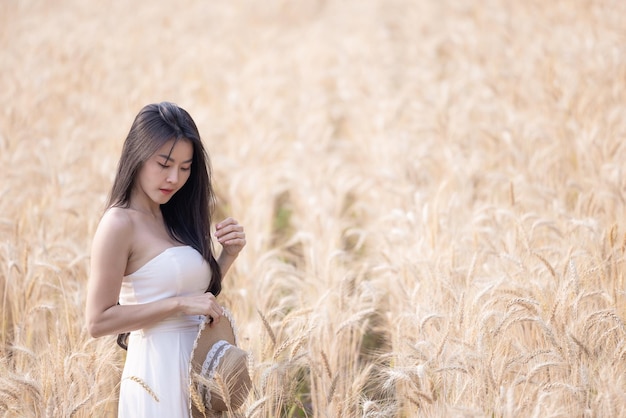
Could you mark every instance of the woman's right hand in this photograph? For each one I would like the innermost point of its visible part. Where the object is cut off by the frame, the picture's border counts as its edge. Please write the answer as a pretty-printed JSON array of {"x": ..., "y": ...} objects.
[{"x": 204, "y": 304}]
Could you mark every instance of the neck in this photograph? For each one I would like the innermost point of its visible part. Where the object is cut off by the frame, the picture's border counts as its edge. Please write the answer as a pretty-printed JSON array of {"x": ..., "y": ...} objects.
[
  {"x": 145, "y": 206},
  {"x": 150, "y": 212}
]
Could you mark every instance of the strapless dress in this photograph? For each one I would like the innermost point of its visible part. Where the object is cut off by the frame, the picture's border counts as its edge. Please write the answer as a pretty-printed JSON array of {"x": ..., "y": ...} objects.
[{"x": 156, "y": 371}]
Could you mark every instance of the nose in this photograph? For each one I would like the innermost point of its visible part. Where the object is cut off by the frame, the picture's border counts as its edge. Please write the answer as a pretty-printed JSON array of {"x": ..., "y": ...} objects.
[{"x": 172, "y": 176}]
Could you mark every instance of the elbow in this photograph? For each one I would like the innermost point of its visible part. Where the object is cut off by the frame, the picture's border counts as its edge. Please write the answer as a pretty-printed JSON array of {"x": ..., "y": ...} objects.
[
  {"x": 98, "y": 321},
  {"x": 94, "y": 328}
]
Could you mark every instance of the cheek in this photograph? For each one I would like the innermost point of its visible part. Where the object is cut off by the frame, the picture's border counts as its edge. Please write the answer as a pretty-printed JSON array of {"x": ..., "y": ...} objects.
[
  {"x": 155, "y": 174},
  {"x": 185, "y": 176},
  {"x": 145, "y": 175}
]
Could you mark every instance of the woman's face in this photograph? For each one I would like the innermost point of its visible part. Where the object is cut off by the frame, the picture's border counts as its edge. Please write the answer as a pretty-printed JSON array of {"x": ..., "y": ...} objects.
[{"x": 166, "y": 172}]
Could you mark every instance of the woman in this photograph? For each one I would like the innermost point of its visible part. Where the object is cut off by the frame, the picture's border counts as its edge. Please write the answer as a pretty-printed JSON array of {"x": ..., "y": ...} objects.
[{"x": 152, "y": 252}]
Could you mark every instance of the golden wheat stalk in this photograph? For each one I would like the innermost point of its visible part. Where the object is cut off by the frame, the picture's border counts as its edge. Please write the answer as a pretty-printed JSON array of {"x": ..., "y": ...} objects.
[{"x": 144, "y": 385}]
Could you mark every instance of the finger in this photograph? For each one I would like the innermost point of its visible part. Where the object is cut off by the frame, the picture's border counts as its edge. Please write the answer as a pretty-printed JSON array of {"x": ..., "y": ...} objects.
[
  {"x": 225, "y": 222},
  {"x": 234, "y": 241},
  {"x": 231, "y": 236},
  {"x": 215, "y": 316},
  {"x": 228, "y": 229}
]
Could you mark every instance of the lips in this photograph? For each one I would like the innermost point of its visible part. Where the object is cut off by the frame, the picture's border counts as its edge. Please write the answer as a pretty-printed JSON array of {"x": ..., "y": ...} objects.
[{"x": 167, "y": 191}]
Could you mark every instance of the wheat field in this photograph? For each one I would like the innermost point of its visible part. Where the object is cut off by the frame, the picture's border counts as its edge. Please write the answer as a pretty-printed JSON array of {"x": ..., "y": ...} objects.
[{"x": 433, "y": 194}]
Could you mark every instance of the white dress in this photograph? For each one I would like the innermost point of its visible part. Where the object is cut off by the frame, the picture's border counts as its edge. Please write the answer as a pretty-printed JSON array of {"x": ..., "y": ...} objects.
[{"x": 156, "y": 373}]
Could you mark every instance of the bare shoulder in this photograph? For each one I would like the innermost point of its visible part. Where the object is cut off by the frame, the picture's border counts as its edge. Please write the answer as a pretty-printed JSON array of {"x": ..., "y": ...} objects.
[
  {"x": 115, "y": 229},
  {"x": 117, "y": 218},
  {"x": 110, "y": 250}
]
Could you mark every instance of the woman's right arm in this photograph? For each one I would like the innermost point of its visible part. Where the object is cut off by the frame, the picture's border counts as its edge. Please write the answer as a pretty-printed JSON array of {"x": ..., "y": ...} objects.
[{"x": 109, "y": 254}]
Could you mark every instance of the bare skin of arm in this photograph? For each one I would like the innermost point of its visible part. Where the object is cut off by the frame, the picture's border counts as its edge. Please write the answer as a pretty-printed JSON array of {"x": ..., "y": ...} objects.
[{"x": 111, "y": 248}]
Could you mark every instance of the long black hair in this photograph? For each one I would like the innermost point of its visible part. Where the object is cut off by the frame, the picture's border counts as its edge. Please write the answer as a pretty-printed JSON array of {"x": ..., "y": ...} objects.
[{"x": 187, "y": 214}]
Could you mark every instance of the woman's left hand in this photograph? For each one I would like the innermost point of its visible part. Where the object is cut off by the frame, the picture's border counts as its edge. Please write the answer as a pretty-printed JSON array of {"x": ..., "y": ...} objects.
[{"x": 231, "y": 236}]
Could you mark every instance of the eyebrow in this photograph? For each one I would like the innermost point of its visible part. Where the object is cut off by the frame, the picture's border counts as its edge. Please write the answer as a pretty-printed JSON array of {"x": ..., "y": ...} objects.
[{"x": 168, "y": 158}]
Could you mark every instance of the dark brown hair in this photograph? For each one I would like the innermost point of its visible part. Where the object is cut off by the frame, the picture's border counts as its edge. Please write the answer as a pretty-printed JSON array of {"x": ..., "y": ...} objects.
[{"x": 187, "y": 214}]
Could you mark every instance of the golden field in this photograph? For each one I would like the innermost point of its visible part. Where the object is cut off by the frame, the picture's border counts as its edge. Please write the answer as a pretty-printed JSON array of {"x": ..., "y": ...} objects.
[{"x": 433, "y": 195}]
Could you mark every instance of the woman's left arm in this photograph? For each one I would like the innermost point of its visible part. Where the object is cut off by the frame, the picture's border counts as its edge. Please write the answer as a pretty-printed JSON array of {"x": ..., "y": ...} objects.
[{"x": 232, "y": 238}]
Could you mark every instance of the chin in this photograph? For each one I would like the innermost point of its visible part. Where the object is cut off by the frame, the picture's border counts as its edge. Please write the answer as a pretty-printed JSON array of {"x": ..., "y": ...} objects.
[{"x": 161, "y": 200}]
